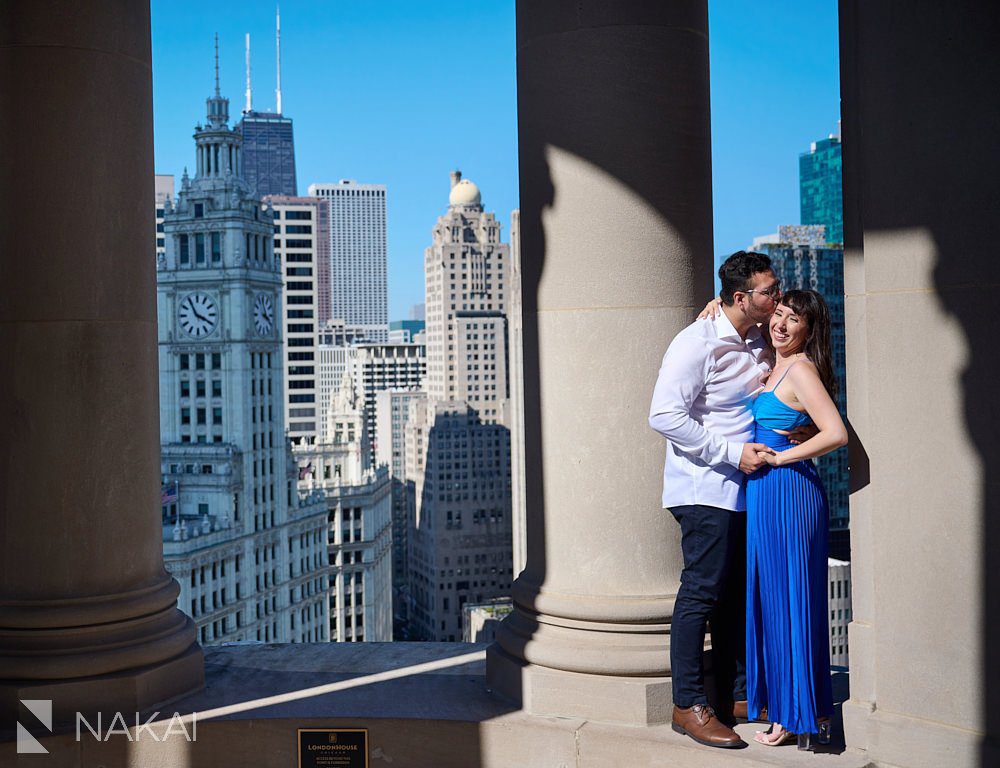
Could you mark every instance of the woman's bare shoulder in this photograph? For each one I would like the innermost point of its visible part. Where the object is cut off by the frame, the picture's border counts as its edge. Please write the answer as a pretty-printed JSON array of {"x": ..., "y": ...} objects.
[
  {"x": 803, "y": 370},
  {"x": 806, "y": 364}
]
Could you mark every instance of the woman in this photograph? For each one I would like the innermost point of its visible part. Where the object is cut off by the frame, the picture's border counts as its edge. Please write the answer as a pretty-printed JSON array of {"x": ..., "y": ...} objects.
[{"x": 788, "y": 654}]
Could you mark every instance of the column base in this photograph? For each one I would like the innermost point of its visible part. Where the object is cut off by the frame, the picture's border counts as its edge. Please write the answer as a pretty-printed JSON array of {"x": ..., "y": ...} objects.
[
  {"x": 620, "y": 699},
  {"x": 893, "y": 738},
  {"x": 128, "y": 692}
]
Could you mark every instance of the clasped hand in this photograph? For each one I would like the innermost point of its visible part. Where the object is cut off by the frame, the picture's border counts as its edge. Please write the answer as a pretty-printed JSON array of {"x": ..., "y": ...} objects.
[
  {"x": 768, "y": 458},
  {"x": 755, "y": 456}
]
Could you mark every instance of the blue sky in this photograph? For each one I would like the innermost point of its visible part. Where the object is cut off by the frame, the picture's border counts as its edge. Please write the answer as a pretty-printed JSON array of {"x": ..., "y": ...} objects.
[
  {"x": 775, "y": 70},
  {"x": 399, "y": 93}
]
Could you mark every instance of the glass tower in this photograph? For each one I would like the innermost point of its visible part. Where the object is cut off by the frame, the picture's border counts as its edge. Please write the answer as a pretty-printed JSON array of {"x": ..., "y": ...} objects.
[
  {"x": 820, "y": 190},
  {"x": 268, "y": 154}
]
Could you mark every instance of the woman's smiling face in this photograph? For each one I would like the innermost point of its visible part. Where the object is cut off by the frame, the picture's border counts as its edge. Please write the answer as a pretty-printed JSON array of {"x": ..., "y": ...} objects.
[{"x": 789, "y": 331}]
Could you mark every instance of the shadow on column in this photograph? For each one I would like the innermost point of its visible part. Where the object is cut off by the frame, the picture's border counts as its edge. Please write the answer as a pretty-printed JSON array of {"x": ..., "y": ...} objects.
[
  {"x": 963, "y": 83},
  {"x": 622, "y": 90},
  {"x": 920, "y": 98}
]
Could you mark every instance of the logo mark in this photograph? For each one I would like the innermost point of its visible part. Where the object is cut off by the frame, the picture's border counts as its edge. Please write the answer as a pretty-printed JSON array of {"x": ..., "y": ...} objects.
[{"x": 26, "y": 743}]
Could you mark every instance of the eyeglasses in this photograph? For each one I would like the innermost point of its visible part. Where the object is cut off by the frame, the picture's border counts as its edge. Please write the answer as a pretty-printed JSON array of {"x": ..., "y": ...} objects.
[{"x": 772, "y": 291}]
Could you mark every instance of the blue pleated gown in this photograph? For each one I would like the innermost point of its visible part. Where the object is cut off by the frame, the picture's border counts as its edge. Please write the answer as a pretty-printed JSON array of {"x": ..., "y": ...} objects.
[{"x": 788, "y": 653}]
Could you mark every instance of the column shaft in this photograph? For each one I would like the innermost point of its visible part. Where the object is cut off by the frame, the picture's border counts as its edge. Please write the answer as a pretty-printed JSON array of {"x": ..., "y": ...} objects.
[
  {"x": 83, "y": 590},
  {"x": 922, "y": 329},
  {"x": 616, "y": 250}
]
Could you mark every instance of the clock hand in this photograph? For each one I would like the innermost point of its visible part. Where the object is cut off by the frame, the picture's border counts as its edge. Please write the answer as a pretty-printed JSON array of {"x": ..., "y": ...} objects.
[{"x": 200, "y": 317}]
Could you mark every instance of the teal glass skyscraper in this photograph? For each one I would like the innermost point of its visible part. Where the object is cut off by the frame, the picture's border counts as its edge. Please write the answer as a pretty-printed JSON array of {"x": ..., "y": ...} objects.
[{"x": 821, "y": 199}]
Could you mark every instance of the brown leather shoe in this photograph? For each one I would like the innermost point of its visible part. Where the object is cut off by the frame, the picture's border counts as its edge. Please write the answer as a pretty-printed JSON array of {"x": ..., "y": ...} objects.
[
  {"x": 700, "y": 723},
  {"x": 741, "y": 713}
]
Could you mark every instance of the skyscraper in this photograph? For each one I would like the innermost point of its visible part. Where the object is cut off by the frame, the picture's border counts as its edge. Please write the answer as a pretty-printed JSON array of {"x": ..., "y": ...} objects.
[
  {"x": 392, "y": 409},
  {"x": 250, "y": 555},
  {"x": 821, "y": 200},
  {"x": 405, "y": 331},
  {"x": 358, "y": 293},
  {"x": 467, "y": 273},
  {"x": 301, "y": 242},
  {"x": 457, "y": 441},
  {"x": 821, "y": 197},
  {"x": 269, "y": 154},
  {"x": 268, "y": 141},
  {"x": 376, "y": 367},
  {"x": 163, "y": 192}
]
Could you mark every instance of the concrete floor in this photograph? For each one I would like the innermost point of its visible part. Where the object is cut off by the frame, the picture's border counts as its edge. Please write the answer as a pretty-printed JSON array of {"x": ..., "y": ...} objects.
[{"x": 425, "y": 705}]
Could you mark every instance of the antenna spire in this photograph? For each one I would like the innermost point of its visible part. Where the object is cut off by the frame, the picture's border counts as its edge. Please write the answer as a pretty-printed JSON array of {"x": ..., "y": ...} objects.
[
  {"x": 277, "y": 42},
  {"x": 217, "y": 107},
  {"x": 249, "y": 106},
  {"x": 217, "y": 94}
]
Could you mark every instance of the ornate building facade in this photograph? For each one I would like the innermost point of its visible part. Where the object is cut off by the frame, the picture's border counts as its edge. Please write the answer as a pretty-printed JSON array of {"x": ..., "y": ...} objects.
[
  {"x": 358, "y": 501},
  {"x": 249, "y": 554},
  {"x": 457, "y": 442}
]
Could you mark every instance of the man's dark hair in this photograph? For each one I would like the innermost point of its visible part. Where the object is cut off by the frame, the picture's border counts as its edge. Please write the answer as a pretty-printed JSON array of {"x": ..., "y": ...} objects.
[{"x": 736, "y": 271}]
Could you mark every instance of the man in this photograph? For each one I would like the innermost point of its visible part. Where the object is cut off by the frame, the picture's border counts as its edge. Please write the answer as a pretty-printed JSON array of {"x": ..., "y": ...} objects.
[{"x": 701, "y": 404}]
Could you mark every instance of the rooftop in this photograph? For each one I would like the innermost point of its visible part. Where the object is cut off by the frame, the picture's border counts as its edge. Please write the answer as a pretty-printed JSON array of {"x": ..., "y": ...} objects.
[{"x": 424, "y": 704}]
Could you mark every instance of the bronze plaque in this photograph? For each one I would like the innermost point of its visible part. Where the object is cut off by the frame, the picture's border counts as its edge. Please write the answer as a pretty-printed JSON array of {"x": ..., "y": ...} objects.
[{"x": 333, "y": 747}]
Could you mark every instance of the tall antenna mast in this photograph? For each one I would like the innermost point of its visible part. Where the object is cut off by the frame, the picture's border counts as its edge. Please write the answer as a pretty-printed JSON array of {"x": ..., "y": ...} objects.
[
  {"x": 217, "y": 94},
  {"x": 249, "y": 106},
  {"x": 277, "y": 40}
]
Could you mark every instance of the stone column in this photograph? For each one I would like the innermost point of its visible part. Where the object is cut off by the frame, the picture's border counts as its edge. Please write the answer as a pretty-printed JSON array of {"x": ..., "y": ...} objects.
[
  {"x": 88, "y": 615},
  {"x": 616, "y": 251},
  {"x": 921, "y": 187}
]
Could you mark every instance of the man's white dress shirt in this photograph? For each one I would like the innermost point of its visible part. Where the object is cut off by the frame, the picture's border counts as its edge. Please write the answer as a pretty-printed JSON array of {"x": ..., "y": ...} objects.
[{"x": 701, "y": 404}]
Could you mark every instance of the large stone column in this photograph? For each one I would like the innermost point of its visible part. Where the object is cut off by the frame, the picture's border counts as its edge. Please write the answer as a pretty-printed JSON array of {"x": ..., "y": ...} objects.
[
  {"x": 88, "y": 615},
  {"x": 616, "y": 251},
  {"x": 921, "y": 188}
]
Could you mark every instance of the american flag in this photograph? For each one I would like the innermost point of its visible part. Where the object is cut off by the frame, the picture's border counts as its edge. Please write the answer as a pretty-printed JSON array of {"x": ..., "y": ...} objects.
[{"x": 168, "y": 494}]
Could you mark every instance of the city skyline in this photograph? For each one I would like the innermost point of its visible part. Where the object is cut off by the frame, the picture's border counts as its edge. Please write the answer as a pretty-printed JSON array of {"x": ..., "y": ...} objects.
[
  {"x": 579, "y": 670},
  {"x": 382, "y": 102}
]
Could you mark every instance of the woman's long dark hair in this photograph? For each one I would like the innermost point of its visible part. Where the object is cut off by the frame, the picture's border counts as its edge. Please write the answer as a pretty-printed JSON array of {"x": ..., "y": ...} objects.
[{"x": 811, "y": 306}]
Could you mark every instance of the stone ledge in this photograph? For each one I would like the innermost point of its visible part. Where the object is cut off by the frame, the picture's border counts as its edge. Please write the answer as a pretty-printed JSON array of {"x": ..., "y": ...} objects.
[{"x": 426, "y": 705}]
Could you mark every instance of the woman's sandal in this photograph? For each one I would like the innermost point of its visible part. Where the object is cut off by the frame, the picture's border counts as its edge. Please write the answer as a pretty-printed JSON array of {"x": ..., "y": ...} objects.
[{"x": 785, "y": 737}]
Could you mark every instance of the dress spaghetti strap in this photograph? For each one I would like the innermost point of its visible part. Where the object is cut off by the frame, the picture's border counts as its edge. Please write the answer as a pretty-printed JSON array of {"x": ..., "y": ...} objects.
[{"x": 783, "y": 376}]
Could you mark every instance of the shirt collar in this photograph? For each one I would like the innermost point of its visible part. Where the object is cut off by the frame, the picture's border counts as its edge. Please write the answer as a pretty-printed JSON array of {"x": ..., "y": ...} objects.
[{"x": 725, "y": 329}]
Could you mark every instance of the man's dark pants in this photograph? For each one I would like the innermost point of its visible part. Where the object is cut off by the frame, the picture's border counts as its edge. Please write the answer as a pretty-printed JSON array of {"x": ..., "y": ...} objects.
[{"x": 713, "y": 590}]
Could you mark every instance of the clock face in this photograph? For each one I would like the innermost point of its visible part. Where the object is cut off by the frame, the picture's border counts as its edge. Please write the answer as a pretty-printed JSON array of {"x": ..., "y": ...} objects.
[
  {"x": 198, "y": 315},
  {"x": 263, "y": 314}
]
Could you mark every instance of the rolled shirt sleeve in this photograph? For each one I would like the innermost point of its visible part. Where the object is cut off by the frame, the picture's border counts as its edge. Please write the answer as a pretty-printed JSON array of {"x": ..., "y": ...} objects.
[{"x": 685, "y": 369}]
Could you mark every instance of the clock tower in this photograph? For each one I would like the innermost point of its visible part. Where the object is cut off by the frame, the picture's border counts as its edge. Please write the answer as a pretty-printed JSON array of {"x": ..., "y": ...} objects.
[{"x": 226, "y": 472}]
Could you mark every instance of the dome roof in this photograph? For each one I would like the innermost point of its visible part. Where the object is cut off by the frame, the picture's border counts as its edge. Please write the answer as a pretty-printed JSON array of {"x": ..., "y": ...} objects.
[{"x": 464, "y": 193}]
